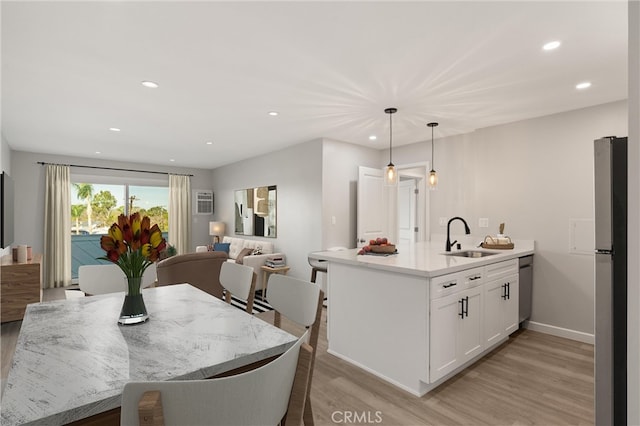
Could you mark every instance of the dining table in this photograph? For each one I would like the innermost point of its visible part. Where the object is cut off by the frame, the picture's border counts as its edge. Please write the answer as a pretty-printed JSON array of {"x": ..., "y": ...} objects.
[{"x": 72, "y": 358}]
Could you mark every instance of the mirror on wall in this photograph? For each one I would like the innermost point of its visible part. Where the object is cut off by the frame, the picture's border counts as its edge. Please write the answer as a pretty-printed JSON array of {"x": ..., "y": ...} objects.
[{"x": 255, "y": 211}]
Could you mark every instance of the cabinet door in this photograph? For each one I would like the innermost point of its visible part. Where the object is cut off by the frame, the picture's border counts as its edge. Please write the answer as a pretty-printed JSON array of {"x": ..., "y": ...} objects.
[
  {"x": 501, "y": 309},
  {"x": 494, "y": 299},
  {"x": 443, "y": 347},
  {"x": 470, "y": 339},
  {"x": 511, "y": 314}
]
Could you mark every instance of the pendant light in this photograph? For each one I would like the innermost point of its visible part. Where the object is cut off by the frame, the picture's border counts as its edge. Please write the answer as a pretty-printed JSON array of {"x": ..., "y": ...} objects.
[
  {"x": 390, "y": 173},
  {"x": 433, "y": 176}
]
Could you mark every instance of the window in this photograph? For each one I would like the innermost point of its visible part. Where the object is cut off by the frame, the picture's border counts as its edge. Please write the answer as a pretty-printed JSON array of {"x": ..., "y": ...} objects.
[{"x": 96, "y": 206}]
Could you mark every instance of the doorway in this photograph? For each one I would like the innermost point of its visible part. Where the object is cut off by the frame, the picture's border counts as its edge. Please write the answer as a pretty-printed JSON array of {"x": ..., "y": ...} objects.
[{"x": 400, "y": 215}]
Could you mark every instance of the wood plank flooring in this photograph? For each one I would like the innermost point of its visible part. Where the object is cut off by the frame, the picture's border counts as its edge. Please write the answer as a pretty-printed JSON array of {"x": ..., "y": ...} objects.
[{"x": 532, "y": 379}]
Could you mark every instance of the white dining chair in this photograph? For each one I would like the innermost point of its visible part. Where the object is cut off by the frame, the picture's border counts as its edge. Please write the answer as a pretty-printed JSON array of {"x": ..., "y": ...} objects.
[
  {"x": 101, "y": 279},
  {"x": 275, "y": 390},
  {"x": 109, "y": 278},
  {"x": 240, "y": 281},
  {"x": 201, "y": 249},
  {"x": 301, "y": 302},
  {"x": 149, "y": 277}
]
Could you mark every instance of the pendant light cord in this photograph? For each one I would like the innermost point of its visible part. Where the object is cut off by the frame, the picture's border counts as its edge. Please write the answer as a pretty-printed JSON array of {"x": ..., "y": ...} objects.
[
  {"x": 433, "y": 167},
  {"x": 390, "y": 136}
]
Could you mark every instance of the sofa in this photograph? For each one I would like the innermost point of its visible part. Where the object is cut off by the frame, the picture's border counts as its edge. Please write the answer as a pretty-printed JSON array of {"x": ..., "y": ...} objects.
[
  {"x": 201, "y": 270},
  {"x": 236, "y": 246}
]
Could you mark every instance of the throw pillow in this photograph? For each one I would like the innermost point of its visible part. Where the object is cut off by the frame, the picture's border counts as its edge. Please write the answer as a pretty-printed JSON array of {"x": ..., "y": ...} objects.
[
  {"x": 221, "y": 247},
  {"x": 244, "y": 252}
]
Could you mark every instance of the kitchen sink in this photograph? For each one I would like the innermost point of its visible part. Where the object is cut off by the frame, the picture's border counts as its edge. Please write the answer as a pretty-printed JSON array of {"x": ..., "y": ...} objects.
[{"x": 470, "y": 253}]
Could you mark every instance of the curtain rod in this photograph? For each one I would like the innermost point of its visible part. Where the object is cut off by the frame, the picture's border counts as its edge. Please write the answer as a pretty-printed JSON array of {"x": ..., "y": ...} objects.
[{"x": 114, "y": 168}]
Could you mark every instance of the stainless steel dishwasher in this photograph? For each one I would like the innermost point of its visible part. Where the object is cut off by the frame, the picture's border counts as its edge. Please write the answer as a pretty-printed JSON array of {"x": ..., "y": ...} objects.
[{"x": 525, "y": 280}]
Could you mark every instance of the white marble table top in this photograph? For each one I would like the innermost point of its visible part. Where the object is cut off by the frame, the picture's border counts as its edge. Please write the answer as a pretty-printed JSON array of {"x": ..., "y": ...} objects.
[{"x": 72, "y": 359}]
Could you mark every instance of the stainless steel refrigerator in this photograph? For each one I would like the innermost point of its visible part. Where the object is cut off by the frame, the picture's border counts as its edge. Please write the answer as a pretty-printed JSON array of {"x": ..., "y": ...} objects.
[{"x": 611, "y": 281}]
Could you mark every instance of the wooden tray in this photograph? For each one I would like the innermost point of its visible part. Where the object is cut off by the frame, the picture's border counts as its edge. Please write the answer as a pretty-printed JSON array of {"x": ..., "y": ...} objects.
[
  {"x": 497, "y": 246},
  {"x": 390, "y": 248},
  {"x": 490, "y": 243}
]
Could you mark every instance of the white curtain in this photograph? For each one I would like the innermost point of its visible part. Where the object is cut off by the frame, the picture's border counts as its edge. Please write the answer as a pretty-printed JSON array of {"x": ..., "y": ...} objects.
[
  {"x": 57, "y": 226},
  {"x": 180, "y": 213}
]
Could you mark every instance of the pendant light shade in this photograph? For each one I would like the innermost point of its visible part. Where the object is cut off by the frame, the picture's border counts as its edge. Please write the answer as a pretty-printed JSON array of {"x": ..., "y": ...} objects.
[
  {"x": 433, "y": 176},
  {"x": 390, "y": 173}
]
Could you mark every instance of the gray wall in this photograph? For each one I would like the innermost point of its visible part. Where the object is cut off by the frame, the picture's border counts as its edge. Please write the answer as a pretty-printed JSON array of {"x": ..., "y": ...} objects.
[
  {"x": 29, "y": 188},
  {"x": 297, "y": 172},
  {"x": 536, "y": 176},
  {"x": 340, "y": 163}
]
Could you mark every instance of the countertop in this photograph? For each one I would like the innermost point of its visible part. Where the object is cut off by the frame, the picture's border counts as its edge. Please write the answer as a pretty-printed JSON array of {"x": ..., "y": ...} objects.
[
  {"x": 425, "y": 259},
  {"x": 72, "y": 359}
]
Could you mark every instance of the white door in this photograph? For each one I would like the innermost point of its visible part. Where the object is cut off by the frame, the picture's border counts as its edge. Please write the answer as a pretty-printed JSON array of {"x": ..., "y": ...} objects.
[
  {"x": 407, "y": 211},
  {"x": 373, "y": 206}
]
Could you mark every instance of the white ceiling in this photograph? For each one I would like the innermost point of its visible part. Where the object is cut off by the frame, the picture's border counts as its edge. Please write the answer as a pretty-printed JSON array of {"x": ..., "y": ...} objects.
[{"x": 72, "y": 70}]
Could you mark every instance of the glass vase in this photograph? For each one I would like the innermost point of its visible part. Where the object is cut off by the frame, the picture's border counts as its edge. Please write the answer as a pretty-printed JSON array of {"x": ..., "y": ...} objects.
[{"x": 133, "y": 309}]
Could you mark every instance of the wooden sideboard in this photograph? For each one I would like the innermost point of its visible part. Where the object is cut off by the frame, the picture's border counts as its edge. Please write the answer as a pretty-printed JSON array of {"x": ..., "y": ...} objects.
[{"x": 21, "y": 284}]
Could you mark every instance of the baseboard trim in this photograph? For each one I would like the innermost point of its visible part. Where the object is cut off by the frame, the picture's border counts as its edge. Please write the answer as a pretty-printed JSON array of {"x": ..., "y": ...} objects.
[{"x": 560, "y": 332}]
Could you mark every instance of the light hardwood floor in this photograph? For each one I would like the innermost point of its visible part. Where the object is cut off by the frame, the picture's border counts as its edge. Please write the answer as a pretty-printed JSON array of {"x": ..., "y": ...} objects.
[{"x": 532, "y": 379}]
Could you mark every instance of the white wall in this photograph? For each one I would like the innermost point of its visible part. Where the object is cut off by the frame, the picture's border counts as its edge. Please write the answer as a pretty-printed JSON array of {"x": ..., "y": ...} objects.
[
  {"x": 28, "y": 177},
  {"x": 633, "y": 400},
  {"x": 536, "y": 176},
  {"x": 297, "y": 172},
  {"x": 340, "y": 163}
]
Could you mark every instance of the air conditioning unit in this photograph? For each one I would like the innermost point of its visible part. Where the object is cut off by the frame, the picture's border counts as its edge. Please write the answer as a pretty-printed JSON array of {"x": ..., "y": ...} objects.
[{"x": 203, "y": 201}]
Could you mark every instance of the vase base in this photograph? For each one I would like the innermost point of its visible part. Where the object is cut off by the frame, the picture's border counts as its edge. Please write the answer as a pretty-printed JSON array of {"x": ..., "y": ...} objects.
[{"x": 133, "y": 319}]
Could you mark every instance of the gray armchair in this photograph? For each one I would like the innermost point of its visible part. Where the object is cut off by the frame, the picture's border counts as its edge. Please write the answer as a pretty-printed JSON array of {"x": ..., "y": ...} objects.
[{"x": 201, "y": 270}]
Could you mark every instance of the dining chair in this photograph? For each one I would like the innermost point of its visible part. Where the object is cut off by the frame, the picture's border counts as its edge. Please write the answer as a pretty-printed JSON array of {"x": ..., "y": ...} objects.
[
  {"x": 301, "y": 302},
  {"x": 239, "y": 280},
  {"x": 109, "y": 278},
  {"x": 276, "y": 391},
  {"x": 101, "y": 279}
]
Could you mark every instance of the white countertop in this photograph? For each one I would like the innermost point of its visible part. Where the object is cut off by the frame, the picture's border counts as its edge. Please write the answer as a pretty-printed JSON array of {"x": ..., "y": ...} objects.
[
  {"x": 425, "y": 259},
  {"x": 72, "y": 359}
]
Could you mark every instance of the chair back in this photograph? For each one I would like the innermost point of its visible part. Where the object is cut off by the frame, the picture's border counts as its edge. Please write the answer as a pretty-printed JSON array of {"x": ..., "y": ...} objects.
[
  {"x": 258, "y": 397},
  {"x": 301, "y": 302},
  {"x": 149, "y": 276},
  {"x": 294, "y": 298},
  {"x": 101, "y": 279},
  {"x": 240, "y": 281}
]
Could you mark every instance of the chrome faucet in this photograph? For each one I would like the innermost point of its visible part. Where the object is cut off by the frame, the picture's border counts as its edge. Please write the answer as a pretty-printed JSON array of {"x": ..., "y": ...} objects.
[{"x": 466, "y": 231}]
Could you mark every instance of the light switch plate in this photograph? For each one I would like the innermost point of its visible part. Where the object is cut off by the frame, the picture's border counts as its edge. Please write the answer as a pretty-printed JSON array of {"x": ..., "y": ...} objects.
[{"x": 483, "y": 222}]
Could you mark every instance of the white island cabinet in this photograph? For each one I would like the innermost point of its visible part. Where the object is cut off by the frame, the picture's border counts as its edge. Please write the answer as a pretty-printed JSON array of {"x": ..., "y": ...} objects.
[{"x": 418, "y": 317}]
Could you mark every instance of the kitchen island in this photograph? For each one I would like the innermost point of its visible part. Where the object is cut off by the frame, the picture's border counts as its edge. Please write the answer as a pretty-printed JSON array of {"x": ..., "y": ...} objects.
[{"x": 417, "y": 317}]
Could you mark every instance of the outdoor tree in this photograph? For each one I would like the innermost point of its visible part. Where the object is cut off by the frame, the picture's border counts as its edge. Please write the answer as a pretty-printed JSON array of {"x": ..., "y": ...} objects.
[
  {"x": 103, "y": 204},
  {"x": 76, "y": 212},
  {"x": 159, "y": 215},
  {"x": 84, "y": 191}
]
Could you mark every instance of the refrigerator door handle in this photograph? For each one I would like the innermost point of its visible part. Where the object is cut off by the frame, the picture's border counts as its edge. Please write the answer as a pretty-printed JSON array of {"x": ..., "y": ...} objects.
[{"x": 604, "y": 251}]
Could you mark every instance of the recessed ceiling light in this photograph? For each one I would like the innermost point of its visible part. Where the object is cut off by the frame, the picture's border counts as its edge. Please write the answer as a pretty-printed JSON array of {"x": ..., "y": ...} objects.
[
  {"x": 583, "y": 85},
  {"x": 373, "y": 137},
  {"x": 114, "y": 129},
  {"x": 172, "y": 160},
  {"x": 150, "y": 84},
  {"x": 551, "y": 45},
  {"x": 273, "y": 113},
  {"x": 209, "y": 143},
  {"x": 98, "y": 152}
]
